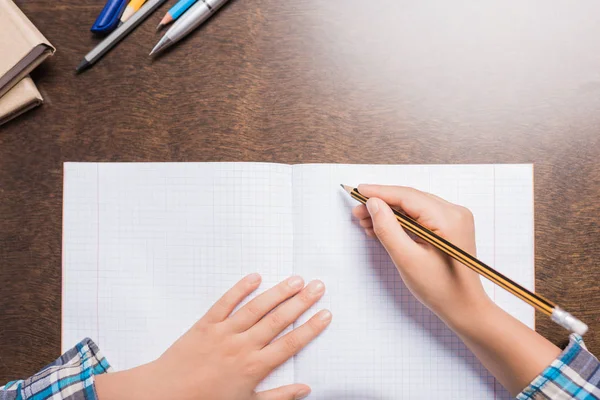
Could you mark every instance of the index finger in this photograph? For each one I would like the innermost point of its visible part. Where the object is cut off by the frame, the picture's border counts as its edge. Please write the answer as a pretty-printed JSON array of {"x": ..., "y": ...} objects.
[{"x": 416, "y": 204}]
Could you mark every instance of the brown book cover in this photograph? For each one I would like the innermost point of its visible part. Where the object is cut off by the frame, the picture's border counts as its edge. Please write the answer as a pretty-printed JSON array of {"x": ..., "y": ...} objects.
[
  {"x": 22, "y": 46},
  {"x": 22, "y": 97}
]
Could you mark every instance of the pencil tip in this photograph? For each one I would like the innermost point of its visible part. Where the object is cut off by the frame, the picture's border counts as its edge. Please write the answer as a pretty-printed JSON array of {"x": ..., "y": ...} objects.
[
  {"x": 346, "y": 188},
  {"x": 84, "y": 64},
  {"x": 127, "y": 13},
  {"x": 165, "y": 21}
]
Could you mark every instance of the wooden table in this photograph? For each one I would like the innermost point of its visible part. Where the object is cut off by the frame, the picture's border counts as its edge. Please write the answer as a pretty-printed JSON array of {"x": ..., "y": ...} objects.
[{"x": 340, "y": 81}]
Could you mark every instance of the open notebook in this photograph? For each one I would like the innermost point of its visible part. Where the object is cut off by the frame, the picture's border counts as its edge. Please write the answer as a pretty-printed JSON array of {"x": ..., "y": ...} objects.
[{"x": 149, "y": 247}]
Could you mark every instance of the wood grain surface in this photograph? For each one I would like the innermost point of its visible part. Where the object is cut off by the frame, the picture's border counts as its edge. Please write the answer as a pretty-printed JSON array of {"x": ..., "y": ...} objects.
[{"x": 338, "y": 81}]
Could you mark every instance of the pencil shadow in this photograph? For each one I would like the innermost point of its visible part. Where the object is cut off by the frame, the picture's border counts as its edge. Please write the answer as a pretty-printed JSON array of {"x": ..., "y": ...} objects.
[{"x": 412, "y": 308}]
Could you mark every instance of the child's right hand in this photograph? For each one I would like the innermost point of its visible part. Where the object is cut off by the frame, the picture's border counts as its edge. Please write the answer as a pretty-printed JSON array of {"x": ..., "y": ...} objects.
[
  {"x": 450, "y": 289},
  {"x": 447, "y": 287}
]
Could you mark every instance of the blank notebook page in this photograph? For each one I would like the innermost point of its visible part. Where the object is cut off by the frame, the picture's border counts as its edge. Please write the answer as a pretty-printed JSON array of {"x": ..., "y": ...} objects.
[
  {"x": 382, "y": 343},
  {"x": 148, "y": 248}
]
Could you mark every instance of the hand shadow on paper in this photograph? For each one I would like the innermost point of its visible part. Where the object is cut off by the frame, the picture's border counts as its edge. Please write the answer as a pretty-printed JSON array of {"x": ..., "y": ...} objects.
[{"x": 410, "y": 307}]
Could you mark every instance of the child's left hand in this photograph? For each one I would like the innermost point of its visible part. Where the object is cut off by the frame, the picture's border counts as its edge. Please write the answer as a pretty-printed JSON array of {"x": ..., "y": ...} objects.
[{"x": 223, "y": 356}]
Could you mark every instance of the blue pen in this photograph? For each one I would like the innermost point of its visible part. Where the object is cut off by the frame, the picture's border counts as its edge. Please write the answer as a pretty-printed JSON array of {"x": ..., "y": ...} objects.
[
  {"x": 175, "y": 12},
  {"x": 108, "y": 19}
]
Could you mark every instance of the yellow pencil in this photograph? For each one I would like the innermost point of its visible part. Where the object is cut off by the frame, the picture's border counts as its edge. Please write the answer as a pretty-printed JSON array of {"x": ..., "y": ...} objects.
[
  {"x": 131, "y": 8},
  {"x": 557, "y": 314}
]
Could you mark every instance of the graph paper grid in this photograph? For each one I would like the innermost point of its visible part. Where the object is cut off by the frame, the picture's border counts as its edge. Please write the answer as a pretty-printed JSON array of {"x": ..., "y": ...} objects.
[
  {"x": 148, "y": 247},
  {"x": 383, "y": 343}
]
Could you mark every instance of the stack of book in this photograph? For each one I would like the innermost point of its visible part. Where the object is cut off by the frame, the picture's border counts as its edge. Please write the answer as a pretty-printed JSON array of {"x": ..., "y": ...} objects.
[{"x": 22, "y": 48}]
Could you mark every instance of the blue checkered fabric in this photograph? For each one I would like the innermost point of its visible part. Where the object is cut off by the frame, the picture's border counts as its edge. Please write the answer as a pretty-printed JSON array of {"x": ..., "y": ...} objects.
[
  {"x": 575, "y": 374},
  {"x": 70, "y": 377}
]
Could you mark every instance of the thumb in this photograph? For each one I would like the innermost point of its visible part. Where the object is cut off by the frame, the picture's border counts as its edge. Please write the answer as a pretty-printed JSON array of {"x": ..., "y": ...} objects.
[
  {"x": 289, "y": 392},
  {"x": 389, "y": 231}
]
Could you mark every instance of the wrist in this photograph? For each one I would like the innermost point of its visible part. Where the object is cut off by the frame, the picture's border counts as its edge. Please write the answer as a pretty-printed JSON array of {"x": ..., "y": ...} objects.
[
  {"x": 466, "y": 318},
  {"x": 135, "y": 383}
]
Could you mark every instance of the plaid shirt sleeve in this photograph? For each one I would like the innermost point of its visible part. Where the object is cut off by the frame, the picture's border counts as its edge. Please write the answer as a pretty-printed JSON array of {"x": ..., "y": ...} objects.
[
  {"x": 70, "y": 377},
  {"x": 575, "y": 374}
]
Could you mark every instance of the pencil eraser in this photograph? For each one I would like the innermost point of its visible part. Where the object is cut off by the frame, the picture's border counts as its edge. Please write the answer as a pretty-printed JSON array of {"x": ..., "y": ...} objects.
[
  {"x": 579, "y": 327},
  {"x": 568, "y": 321}
]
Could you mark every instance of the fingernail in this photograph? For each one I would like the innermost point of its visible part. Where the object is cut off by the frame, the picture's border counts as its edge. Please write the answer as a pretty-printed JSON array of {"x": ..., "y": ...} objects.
[
  {"x": 325, "y": 315},
  {"x": 253, "y": 278},
  {"x": 372, "y": 206},
  {"x": 295, "y": 282},
  {"x": 302, "y": 394},
  {"x": 315, "y": 287}
]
